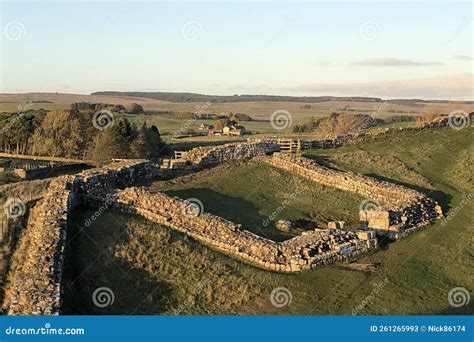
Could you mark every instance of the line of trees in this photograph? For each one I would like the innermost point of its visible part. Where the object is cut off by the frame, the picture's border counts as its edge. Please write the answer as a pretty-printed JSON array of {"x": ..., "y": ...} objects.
[
  {"x": 124, "y": 140},
  {"x": 133, "y": 108},
  {"x": 16, "y": 131},
  {"x": 72, "y": 134}
]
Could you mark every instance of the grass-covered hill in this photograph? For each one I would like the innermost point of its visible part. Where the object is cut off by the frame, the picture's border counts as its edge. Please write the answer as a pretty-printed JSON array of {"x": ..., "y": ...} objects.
[
  {"x": 193, "y": 97},
  {"x": 153, "y": 270}
]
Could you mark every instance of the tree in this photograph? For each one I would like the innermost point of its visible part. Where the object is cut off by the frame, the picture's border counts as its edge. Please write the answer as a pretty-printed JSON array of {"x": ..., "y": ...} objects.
[
  {"x": 154, "y": 140},
  {"x": 108, "y": 145},
  {"x": 124, "y": 128},
  {"x": 59, "y": 135},
  {"x": 221, "y": 123},
  {"x": 118, "y": 108},
  {"x": 240, "y": 117},
  {"x": 17, "y": 131},
  {"x": 135, "y": 108},
  {"x": 140, "y": 147}
]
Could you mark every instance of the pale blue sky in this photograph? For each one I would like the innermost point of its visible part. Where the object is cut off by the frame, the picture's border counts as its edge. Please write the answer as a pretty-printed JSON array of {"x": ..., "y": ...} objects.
[{"x": 388, "y": 49}]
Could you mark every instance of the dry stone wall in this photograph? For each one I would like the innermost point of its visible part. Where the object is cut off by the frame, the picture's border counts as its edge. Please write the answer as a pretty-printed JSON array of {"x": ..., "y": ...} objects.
[
  {"x": 312, "y": 248},
  {"x": 357, "y": 136},
  {"x": 36, "y": 273},
  {"x": 34, "y": 287},
  {"x": 41, "y": 172},
  {"x": 400, "y": 208},
  {"x": 212, "y": 155}
]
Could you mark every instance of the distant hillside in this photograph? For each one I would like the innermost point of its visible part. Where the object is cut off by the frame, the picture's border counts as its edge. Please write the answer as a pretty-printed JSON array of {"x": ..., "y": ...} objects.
[
  {"x": 419, "y": 102},
  {"x": 191, "y": 97}
]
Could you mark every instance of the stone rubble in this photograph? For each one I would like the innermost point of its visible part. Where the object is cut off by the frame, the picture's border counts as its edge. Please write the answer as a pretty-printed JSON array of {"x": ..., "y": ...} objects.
[
  {"x": 400, "y": 208},
  {"x": 310, "y": 249}
]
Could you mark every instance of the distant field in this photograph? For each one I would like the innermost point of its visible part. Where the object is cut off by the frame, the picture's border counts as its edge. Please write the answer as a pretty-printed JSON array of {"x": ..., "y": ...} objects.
[
  {"x": 172, "y": 274},
  {"x": 10, "y": 102},
  {"x": 260, "y": 110}
]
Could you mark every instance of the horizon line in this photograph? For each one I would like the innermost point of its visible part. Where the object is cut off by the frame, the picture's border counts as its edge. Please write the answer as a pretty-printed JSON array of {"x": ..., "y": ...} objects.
[{"x": 229, "y": 95}]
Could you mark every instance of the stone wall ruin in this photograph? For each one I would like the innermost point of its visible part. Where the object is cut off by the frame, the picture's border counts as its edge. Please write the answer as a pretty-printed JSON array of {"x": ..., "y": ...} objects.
[
  {"x": 312, "y": 248},
  {"x": 36, "y": 272},
  {"x": 213, "y": 155},
  {"x": 398, "y": 209}
]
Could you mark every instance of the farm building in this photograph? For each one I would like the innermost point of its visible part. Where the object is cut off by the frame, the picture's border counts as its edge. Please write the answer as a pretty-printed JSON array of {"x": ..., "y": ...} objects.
[{"x": 233, "y": 130}]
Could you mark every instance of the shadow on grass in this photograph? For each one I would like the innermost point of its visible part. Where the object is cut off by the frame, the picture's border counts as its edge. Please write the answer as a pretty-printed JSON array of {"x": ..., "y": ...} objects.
[
  {"x": 90, "y": 264},
  {"x": 442, "y": 198},
  {"x": 234, "y": 209},
  {"x": 321, "y": 159}
]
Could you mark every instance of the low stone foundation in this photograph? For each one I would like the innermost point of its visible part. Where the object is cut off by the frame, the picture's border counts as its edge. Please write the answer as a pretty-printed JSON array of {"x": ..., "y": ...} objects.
[
  {"x": 34, "y": 286},
  {"x": 395, "y": 208},
  {"x": 43, "y": 172},
  {"x": 312, "y": 248},
  {"x": 212, "y": 155}
]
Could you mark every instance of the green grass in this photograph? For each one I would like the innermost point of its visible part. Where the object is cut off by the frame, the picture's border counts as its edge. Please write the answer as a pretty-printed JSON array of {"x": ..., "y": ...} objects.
[
  {"x": 170, "y": 127},
  {"x": 166, "y": 270},
  {"x": 8, "y": 177},
  {"x": 251, "y": 193},
  {"x": 150, "y": 269}
]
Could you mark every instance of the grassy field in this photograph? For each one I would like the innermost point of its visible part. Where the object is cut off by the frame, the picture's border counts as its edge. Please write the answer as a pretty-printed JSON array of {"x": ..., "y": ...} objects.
[
  {"x": 7, "y": 178},
  {"x": 258, "y": 109},
  {"x": 153, "y": 270},
  {"x": 261, "y": 111},
  {"x": 249, "y": 194}
]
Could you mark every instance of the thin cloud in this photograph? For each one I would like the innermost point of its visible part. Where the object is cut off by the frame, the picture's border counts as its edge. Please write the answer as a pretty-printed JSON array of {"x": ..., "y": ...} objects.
[
  {"x": 463, "y": 58},
  {"x": 455, "y": 87},
  {"x": 392, "y": 62}
]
